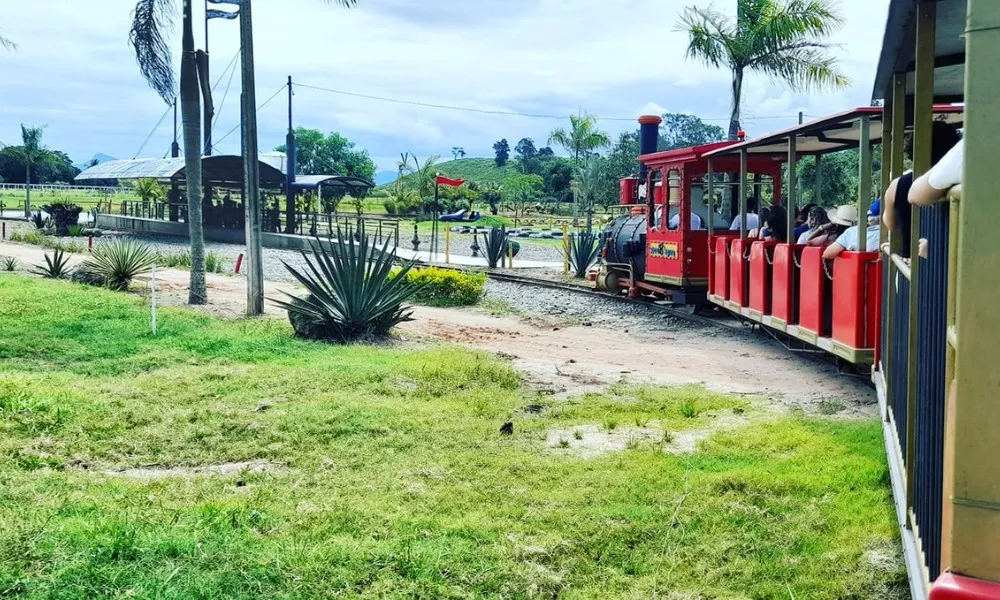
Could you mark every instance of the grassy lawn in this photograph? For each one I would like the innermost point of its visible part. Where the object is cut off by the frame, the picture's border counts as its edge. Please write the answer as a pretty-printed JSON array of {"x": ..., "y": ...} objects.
[{"x": 378, "y": 472}]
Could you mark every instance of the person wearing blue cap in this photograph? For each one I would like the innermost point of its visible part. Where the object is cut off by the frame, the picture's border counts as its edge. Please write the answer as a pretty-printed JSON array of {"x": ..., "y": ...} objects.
[{"x": 849, "y": 239}]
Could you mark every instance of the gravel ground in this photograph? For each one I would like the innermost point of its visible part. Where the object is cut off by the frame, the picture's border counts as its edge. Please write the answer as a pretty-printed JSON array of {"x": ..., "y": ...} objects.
[
  {"x": 461, "y": 245},
  {"x": 575, "y": 308}
]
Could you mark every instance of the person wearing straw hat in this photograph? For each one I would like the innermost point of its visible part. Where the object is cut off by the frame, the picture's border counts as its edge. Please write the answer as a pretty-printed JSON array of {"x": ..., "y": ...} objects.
[{"x": 848, "y": 240}]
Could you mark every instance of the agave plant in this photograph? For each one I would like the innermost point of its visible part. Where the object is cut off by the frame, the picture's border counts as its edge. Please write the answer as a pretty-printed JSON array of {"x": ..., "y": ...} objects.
[
  {"x": 74, "y": 230},
  {"x": 38, "y": 220},
  {"x": 9, "y": 263},
  {"x": 55, "y": 267},
  {"x": 582, "y": 252},
  {"x": 353, "y": 293},
  {"x": 495, "y": 245},
  {"x": 119, "y": 261}
]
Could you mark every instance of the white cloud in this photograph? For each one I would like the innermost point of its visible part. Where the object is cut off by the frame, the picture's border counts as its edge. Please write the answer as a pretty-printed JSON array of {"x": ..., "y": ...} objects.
[{"x": 75, "y": 71}]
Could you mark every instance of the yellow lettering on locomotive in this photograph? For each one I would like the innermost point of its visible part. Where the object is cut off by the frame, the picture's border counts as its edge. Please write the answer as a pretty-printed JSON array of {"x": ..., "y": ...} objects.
[{"x": 667, "y": 250}]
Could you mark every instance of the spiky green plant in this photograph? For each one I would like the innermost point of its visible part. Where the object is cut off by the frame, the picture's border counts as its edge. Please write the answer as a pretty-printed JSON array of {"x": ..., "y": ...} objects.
[
  {"x": 75, "y": 230},
  {"x": 582, "y": 252},
  {"x": 351, "y": 293},
  {"x": 495, "y": 245},
  {"x": 119, "y": 261},
  {"x": 9, "y": 263},
  {"x": 55, "y": 267}
]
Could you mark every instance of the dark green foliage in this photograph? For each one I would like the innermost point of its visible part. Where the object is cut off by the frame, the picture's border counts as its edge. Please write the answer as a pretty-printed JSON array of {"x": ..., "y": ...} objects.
[
  {"x": 55, "y": 267},
  {"x": 38, "y": 220},
  {"x": 582, "y": 252},
  {"x": 495, "y": 245},
  {"x": 9, "y": 263},
  {"x": 63, "y": 215},
  {"x": 54, "y": 167},
  {"x": 316, "y": 154},
  {"x": 351, "y": 296},
  {"x": 119, "y": 261},
  {"x": 502, "y": 150},
  {"x": 74, "y": 230},
  {"x": 87, "y": 277}
]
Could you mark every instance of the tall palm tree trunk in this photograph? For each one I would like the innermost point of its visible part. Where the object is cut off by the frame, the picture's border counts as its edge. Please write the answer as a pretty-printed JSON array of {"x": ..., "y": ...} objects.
[
  {"x": 191, "y": 117},
  {"x": 27, "y": 189},
  {"x": 734, "y": 115}
]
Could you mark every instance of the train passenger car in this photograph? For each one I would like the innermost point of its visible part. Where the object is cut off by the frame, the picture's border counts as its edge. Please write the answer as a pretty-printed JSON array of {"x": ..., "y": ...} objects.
[
  {"x": 789, "y": 287},
  {"x": 660, "y": 247}
]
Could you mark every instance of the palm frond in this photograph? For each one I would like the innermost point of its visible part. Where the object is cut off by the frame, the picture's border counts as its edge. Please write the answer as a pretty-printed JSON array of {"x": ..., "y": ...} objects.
[
  {"x": 6, "y": 43},
  {"x": 803, "y": 67},
  {"x": 151, "y": 21},
  {"x": 711, "y": 38}
]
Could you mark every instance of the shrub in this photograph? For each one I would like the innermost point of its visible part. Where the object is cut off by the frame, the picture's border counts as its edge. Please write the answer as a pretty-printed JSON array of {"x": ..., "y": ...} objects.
[
  {"x": 119, "y": 261},
  {"x": 351, "y": 294},
  {"x": 495, "y": 245},
  {"x": 63, "y": 214},
  {"x": 445, "y": 287},
  {"x": 213, "y": 263},
  {"x": 180, "y": 260},
  {"x": 582, "y": 252},
  {"x": 390, "y": 207},
  {"x": 74, "y": 230},
  {"x": 38, "y": 220},
  {"x": 55, "y": 267},
  {"x": 37, "y": 238},
  {"x": 9, "y": 263}
]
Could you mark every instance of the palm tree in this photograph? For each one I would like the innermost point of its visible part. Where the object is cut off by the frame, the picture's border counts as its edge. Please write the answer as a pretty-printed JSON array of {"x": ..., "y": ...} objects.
[
  {"x": 6, "y": 43},
  {"x": 783, "y": 39},
  {"x": 151, "y": 22},
  {"x": 582, "y": 139},
  {"x": 425, "y": 174},
  {"x": 587, "y": 184},
  {"x": 34, "y": 154}
]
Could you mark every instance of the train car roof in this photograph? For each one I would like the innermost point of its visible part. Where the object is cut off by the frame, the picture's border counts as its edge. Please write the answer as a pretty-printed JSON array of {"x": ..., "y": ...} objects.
[
  {"x": 828, "y": 134},
  {"x": 682, "y": 154},
  {"x": 899, "y": 48}
]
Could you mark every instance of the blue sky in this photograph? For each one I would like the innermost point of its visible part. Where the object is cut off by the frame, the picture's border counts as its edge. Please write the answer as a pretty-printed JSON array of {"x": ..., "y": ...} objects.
[{"x": 74, "y": 72}]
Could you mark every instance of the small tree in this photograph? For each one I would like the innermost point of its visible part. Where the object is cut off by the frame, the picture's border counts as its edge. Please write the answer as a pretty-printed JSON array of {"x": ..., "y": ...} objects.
[
  {"x": 149, "y": 190},
  {"x": 583, "y": 137},
  {"x": 34, "y": 154},
  {"x": 502, "y": 150}
]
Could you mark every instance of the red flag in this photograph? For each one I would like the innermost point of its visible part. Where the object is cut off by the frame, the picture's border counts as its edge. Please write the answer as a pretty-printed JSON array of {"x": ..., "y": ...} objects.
[{"x": 442, "y": 180}]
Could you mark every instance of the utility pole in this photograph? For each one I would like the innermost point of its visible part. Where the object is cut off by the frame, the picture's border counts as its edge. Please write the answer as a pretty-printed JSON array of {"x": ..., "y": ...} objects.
[
  {"x": 175, "y": 190},
  {"x": 251, "y": 167},
  {"x": 290, "y": 166},
  {"x": 209, "y": 108}
]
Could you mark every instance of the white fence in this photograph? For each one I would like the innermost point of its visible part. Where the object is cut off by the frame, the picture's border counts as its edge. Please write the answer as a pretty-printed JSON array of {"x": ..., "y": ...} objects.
[{"x": 51, "y": 187}]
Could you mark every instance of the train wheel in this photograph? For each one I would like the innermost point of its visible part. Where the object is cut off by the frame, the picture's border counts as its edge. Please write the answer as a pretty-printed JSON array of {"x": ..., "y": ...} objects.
[
  {"x": 691, "y": 309},
  {"x": 612, "y": 282}
]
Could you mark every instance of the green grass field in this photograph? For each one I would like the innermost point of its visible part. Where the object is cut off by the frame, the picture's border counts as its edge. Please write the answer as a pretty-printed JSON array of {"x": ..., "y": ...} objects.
[
  {"x": 471, "y": 169},
  {"x": 14, "y": 199},
  {"x": 381, "y": 473}
]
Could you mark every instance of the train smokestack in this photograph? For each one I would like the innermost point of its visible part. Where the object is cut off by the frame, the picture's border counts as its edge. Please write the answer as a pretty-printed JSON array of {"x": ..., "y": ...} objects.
[{"x": 649, "y": 135}]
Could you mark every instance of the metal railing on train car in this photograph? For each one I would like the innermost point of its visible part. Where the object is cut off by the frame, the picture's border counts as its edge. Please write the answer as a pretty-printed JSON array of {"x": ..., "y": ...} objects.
[{"x": 919, "y": 419}]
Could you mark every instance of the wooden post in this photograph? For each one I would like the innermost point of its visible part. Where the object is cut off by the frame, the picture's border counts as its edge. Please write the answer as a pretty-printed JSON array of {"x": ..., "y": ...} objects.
[
  {"x": 790, "y": 194},
  {"x": 818, "y": 191},
  {"x": 251, "y": 167},
  {"x": 565, "y": 231},
  {"x": 864, "y": 180},
  {"x": 711, "y": 197},
  {"x": 923, "y": 114},
  {"x": 972, "y": 473}
]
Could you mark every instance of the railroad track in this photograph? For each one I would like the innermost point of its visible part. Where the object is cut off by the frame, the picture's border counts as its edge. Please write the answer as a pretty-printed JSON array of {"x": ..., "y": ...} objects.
[{"x": 727, "y": 322}]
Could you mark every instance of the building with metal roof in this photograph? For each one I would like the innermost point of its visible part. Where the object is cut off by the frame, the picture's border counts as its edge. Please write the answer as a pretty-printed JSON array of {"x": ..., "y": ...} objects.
[{"x": 222, "y": 171}]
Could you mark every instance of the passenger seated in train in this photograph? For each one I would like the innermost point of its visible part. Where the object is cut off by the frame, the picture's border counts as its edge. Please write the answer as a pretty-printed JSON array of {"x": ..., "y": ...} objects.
[
  {"x": 802, "y": 220},
  {"x": 946, "y": 173},
  {"x": 776, "y": 230},
  {"x": 675, "y": 221},
  {"x": 753, "y": 221},
  {"x": 761, "y": 217},
  {"x": 817, "y": 226},
  {"x": 943, "y": 137},
  {"x": 848, "y": 240}
]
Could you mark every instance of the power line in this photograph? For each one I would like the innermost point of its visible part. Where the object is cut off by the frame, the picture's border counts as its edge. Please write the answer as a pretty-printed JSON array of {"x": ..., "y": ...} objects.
[
  {"x": 232, "y": 63},
  {"x": 155, "y": 127},
  {"x": 497, "y": 112},
  {"x": 259, "y": 108},
  {"x": 222, "y": 104}
]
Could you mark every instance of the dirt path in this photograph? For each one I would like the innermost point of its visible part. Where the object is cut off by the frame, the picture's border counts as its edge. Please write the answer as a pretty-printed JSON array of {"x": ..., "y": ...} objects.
[{"x": 569, "y": 360}]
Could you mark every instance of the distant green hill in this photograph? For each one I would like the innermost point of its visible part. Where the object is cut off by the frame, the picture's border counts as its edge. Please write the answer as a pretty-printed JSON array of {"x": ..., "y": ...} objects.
[{"x": 479, "y": 170}]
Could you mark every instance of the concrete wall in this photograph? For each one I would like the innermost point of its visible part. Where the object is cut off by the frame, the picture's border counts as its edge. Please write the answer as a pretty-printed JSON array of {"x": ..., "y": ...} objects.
[{"x": 279, "y": 241}]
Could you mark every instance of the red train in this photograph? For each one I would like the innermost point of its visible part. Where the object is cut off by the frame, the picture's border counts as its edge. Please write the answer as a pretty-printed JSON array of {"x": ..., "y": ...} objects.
[{"x": 687, "y": 241}]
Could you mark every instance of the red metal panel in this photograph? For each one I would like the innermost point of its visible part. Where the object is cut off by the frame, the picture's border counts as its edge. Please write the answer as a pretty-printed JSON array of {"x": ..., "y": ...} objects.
[
  {"x": 760, "y": 276},
  {"x": 629, "y": 188},
  {"x": 949, "y": 586},
  {"x": 854, "y": 309},
  {"x": 739, "y": 272},
  {"x": 811, "y": 297},
  {"x": 720, "y": 268},
  {"x": 696, "y": 254},
  {"x": 664, "y": 253},
  {"x": 784, "y": 280}
]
